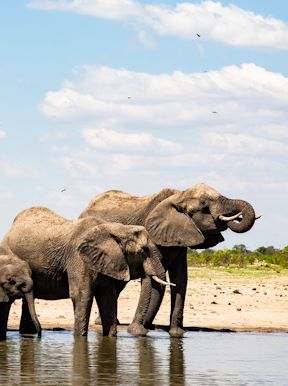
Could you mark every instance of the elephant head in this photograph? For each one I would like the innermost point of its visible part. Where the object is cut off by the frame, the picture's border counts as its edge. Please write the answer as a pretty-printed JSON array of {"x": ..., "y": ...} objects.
[
  {"x": 195, "y": 218},
  {"x": 16, "y": 282},
  {"x": 123, "y": 252}
]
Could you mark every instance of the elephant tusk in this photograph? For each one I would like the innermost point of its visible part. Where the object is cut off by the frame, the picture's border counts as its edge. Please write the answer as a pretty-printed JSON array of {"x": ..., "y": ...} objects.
[
  {"x": 230, "y": 218},
  {"x": 156, "y": 278}
]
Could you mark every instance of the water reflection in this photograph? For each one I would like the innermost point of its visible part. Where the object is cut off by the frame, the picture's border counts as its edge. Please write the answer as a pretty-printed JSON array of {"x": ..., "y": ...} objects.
[
  {"x": 176, "y": 365},
  {"x": 200, "y": 359},
  {"x": 81, "y": 370},
  {"x": 28, "y": 360}
]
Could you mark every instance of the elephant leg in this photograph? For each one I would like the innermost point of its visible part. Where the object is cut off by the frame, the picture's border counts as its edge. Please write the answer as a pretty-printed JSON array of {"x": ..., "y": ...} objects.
[
  {"x": 82, "y": 304},
  {"x": 27, "y": 325},
  {"x": 106, "y": 298},
  {"x": 157, "y": 294},
  {"x": 137, "y": 325},
  {"x": 4, "y": 314},
  {"x": 81, "y": 294},
  {"x": 119, "y": 286},
  {"x": 178, "y": 275}
]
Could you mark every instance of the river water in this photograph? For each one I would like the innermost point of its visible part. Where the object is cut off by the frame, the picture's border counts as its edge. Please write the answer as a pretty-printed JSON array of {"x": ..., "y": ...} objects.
[{"x": 200, "y": 358}]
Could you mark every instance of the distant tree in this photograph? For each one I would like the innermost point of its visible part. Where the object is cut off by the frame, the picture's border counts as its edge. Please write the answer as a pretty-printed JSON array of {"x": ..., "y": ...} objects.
[
  {"x": 240, "y": 248},
  {"x": 261, "y": 250},
  {"x": 270, "y": 250}
]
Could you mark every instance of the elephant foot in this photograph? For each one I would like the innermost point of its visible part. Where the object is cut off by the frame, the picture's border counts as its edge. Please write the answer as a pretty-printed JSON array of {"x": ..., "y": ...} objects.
[
  {"x": 176, "y": 332},
  {"x": 110, "y": 332},
  {"x": 137, "y": 329},
  {"x": 27, "y": 328},
  {"x": 149, "y": 326}
]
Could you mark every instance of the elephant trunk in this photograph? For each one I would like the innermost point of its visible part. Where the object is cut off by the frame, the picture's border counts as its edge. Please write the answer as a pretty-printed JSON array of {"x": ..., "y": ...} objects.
[
  {"x": 28, "y": 286},
  {"x": 31, "y": 306},
  {"x": 241, "y": 224},
  {"x": 153, "y": 267}
]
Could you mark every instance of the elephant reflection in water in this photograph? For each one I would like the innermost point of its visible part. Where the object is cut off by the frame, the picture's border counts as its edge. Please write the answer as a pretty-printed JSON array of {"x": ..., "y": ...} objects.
[
  {"x": 81, "y": 369},
  {"x": 97, "y": 365},
  {"x": 104, "y": 362},
  {"x": 150, "y": 371},
  {"x": 18, "y": 362},
  {"x": 99, "y": 361},
  {"x": 29, "y": 361},
  {"x": 177, "y": 365}
]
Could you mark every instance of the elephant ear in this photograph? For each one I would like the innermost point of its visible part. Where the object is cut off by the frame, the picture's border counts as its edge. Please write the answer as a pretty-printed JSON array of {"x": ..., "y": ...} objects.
[
  {"x": 104, "y": 255},
  {"x": 168, "y": 226},
  {"x": 3, "y": 296}
]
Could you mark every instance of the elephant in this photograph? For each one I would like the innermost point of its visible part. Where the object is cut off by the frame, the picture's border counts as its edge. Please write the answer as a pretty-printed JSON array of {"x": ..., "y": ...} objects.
[
  {"x": 175, "y": 220},
  {"x": 15, "y": 283},
  {"x": 80, "y": 259}
]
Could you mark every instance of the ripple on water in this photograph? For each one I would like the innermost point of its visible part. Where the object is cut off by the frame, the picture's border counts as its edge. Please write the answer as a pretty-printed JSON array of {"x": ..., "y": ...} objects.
[{"x": 200, "y": 358}]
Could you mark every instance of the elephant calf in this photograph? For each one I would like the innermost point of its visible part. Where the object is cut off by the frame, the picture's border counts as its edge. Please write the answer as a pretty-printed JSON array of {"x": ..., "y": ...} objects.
[
  {"x": 80, "y": 259},
  {"x": 15, "y": 283}
]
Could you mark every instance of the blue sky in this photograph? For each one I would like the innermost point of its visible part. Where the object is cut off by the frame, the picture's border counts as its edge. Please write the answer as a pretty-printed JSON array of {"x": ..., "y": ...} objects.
[{"x": 120, "y": 94}]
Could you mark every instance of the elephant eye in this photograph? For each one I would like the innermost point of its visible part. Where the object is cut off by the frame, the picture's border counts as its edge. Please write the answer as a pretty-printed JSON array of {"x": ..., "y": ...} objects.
[{"x": 12, "y": 282}]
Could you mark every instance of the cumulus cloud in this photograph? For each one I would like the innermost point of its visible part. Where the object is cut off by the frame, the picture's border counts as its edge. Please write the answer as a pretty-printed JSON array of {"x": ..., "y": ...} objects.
[
  {"x": 118, "y": 97},
  {"x": 11, "y": 168},
  {"x": 107, "y": 139},
  {"x": 244, "y": 144},
  {"x": 2, "y": 134},
  {"x": 229, "y": 24}
]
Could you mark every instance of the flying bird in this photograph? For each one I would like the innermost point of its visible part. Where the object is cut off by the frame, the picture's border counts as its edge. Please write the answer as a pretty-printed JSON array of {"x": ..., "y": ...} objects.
[
  {"x": 63, "y": 190},
  {"x": 214, "y": 112},
  {"x": 198, "y": 35}
]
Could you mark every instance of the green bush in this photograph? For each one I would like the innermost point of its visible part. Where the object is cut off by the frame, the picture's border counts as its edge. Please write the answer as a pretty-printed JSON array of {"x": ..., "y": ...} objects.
[{"x": 239, "y": 256}]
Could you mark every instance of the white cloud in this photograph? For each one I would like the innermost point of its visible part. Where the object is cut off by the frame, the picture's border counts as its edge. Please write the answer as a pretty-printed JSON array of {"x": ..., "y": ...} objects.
[
  {"x": 243, "y": 96},
  {"x": 107, "y": 139},
  {"x": 244, "y": 144},
  {"x": 226, "y": 24},
  {"x": 18, "y": 169},
  {"x": 2, "y": 134}
]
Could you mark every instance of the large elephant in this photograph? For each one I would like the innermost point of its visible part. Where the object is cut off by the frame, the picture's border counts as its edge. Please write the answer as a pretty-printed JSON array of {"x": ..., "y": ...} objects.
[
  {"x": 175, "y": 220},
  {"x": 15, "y": 283},
  {"x": 80, "y": 259}
]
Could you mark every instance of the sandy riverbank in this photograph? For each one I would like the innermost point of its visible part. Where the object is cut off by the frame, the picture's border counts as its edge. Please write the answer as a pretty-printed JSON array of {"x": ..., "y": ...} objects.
[{"x": 239, "y": 300}]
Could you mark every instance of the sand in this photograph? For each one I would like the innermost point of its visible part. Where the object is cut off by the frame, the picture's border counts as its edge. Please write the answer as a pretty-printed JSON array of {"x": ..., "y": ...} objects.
[{"x": 216, "y": 299}]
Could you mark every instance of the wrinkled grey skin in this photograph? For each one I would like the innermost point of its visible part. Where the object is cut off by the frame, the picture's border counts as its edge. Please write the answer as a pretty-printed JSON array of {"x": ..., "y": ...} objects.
[
  {"x": 174, "y": 220},
  {"x": 80, "y": 259},
  {"x": 15, "y": 283}
]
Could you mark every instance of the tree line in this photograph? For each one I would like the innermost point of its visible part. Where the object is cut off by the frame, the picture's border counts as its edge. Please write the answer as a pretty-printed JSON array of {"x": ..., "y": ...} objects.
[{"x": 240, "y": 255}]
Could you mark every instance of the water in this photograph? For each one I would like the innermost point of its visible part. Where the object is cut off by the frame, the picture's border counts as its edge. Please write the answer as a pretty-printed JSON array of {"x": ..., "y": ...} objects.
[{"x": 200, "y": 358}]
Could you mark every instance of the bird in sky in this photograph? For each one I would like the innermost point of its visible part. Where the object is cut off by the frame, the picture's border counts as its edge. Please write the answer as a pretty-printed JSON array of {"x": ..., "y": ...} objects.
[
  {"x": 63, "y": 190},
  {"x": 198, "y": 35}
]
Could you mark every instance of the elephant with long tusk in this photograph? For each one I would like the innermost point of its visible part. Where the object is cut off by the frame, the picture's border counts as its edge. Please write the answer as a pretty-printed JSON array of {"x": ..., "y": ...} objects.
[
  {"x": 80, "y": 259},
  {"x": 175, "y": 220}
]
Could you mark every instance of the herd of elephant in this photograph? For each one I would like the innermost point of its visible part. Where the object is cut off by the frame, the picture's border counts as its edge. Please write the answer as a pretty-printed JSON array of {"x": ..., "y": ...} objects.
[{"x": 117, "y": 238}]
